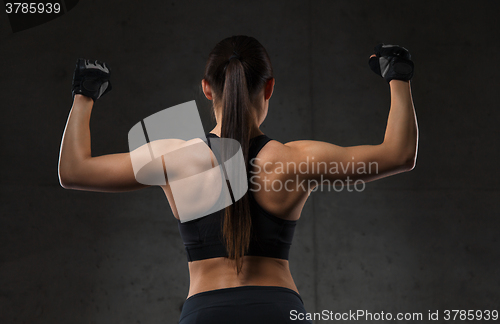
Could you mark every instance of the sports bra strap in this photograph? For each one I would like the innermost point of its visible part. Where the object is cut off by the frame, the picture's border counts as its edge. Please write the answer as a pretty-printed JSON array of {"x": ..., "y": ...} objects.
[{"x": 256, "y": 144}]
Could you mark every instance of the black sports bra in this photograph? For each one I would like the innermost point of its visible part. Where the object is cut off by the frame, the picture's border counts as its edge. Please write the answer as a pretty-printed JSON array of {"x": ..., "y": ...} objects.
[{"x": 271, "y": 236}]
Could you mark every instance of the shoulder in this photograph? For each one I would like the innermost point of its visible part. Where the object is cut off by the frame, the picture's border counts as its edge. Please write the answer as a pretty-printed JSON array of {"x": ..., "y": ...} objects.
[
  {"x": 271, "y": 151},
  {"x": 178, "y": 158},
  {"x": 275, "y": 157},
  {"x": 290, "y": 151},
  {"x": 274, "y": 154}
]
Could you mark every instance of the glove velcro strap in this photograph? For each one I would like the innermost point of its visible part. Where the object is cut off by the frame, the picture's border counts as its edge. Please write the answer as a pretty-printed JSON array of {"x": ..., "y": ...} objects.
[
  {"x": 91, "y": 79},
  {"x": 392, "y": 62}
]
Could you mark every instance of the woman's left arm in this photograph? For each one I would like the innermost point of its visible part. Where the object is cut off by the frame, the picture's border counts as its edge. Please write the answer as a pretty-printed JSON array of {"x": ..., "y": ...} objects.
[{"x": 78, "y": 169}]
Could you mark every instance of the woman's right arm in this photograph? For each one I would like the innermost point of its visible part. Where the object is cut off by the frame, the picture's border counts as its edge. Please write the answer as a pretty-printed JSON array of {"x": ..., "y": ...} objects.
[
  {"x": 78, "y": 169},
  {"x": 397, "y": 153}
]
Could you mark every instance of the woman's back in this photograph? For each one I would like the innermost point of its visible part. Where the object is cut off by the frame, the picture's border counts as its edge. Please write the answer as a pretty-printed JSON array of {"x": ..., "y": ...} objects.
[{"x": 278, "y": 208}]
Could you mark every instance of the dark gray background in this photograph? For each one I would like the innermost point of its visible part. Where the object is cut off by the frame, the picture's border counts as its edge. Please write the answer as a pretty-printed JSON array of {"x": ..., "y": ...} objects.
[{"x": 419, "y": 241}]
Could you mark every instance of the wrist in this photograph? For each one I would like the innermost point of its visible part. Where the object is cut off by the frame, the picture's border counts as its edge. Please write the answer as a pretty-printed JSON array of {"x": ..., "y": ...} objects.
[
  {"x": 398, "y": 81},
  {"x": 394, "y": 84},
  {"x": 83, "y": 99}
]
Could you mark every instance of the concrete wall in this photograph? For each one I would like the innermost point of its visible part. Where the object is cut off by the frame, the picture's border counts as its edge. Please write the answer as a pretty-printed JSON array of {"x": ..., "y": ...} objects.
[{"x": 424, "y": 240}]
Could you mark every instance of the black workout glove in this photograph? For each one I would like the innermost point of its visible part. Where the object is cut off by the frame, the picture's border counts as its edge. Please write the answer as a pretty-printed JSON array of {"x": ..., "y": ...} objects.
[
  {"x": 91, "y": 79},
  {"x": 392, "y": 62}
]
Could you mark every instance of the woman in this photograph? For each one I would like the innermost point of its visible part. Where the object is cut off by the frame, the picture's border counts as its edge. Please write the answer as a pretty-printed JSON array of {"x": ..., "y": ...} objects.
[{"x": 239, "y": 271}]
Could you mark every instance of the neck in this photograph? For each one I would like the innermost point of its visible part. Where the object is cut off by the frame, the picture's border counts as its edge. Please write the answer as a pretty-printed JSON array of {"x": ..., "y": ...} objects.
[{"x": 255, "y": 131}]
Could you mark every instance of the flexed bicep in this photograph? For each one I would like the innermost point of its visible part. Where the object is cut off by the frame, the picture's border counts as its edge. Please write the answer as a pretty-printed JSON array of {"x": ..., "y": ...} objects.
[{"x": 323, "y": 161}]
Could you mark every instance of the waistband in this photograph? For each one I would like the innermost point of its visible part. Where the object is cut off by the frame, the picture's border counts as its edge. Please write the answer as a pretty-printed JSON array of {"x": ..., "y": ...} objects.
[
  {"x": 251, "y": 289},
  {"x": 241, "y": 296}
]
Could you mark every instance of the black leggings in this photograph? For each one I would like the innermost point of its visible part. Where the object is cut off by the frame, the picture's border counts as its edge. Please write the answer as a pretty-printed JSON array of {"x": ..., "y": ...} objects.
[{"x": 243, "y": 305}]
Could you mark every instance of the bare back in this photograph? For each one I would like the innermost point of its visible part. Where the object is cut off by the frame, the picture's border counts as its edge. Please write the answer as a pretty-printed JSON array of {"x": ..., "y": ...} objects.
[{"x": 218, "y": 273}]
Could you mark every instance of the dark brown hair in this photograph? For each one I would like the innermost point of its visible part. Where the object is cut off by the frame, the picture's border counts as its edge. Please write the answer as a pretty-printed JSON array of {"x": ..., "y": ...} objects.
[{"x": 237, "y": 70}]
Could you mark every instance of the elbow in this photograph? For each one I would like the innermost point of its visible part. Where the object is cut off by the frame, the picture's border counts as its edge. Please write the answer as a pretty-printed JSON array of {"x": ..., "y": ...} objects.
[
  {"x": 72, "y": 176},
  {"x": 403, "y": 159},
  {"x": 65, "y": 181},
  {"x": 65, "y": 184},
  {"x": 408, "y": 161},
  {"x": 69, "y": 173},
  {"x": 67, "y": 178}
]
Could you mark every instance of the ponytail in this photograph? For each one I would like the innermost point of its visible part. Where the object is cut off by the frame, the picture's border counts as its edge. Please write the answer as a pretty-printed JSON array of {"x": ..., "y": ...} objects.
[
  {"x": 237, "y": 70},
  {"x": 235, "y": 124}
]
